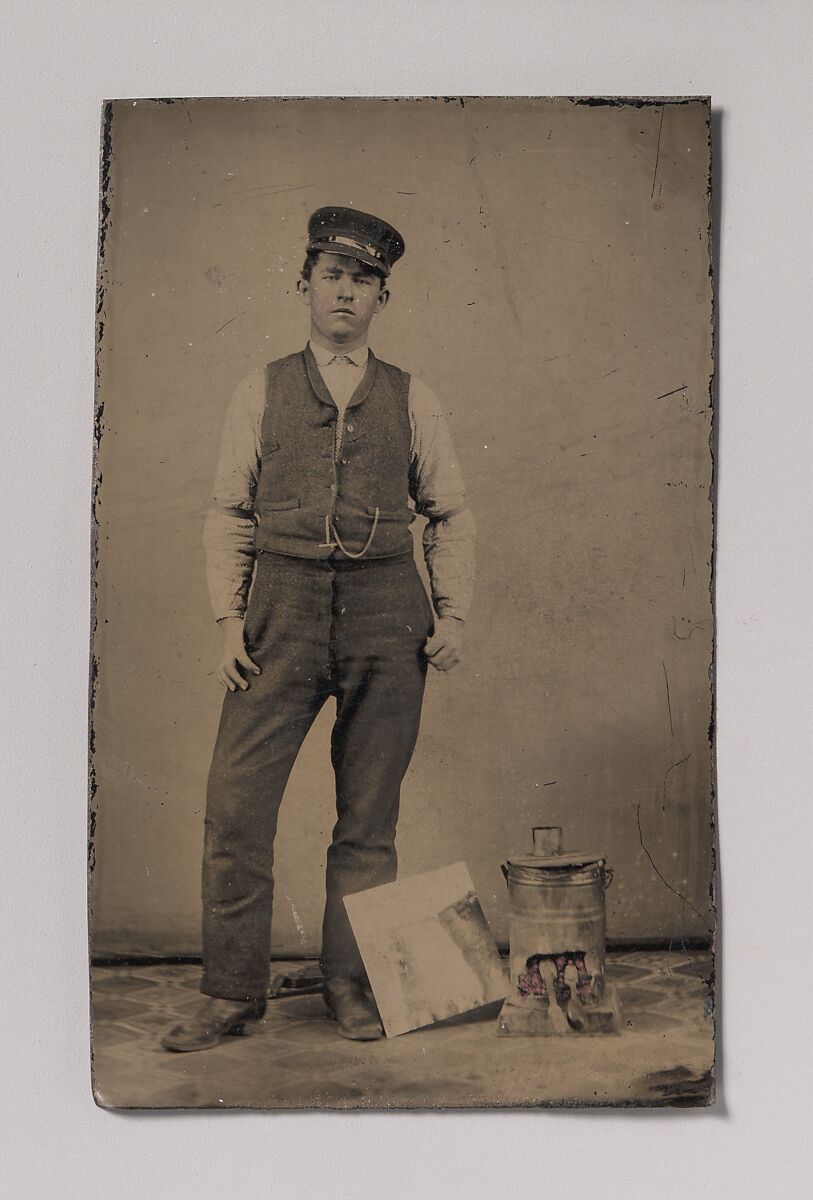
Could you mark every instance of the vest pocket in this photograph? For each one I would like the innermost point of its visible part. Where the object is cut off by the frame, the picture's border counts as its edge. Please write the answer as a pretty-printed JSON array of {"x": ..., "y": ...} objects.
[
  {"x": 403, "y": 516},
  {"x": 278, "y": 505},
  {"x": 392, "y": 534}
]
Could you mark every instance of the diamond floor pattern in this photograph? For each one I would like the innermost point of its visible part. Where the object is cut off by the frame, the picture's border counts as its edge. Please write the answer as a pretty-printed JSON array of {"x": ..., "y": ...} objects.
[{"x": 294, "y": 1059}]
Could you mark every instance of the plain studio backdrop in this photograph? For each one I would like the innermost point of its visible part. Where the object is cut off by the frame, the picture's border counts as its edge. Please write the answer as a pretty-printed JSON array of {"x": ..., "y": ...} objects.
[{"x": 555, "y": 293}]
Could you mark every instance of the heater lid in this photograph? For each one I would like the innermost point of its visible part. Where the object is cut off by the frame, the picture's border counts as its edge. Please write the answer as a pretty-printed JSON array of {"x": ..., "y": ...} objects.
[{"x": 567, "y": 860}]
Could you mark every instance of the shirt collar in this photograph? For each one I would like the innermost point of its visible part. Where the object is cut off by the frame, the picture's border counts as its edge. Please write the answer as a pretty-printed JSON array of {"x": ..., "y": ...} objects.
[{"x": 324, "y": 357}]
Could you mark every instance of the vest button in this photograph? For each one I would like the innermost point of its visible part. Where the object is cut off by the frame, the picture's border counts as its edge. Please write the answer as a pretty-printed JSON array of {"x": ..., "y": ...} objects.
[
  {"x": 350, "y": 428},
  {"x": 344, "y": 462}
]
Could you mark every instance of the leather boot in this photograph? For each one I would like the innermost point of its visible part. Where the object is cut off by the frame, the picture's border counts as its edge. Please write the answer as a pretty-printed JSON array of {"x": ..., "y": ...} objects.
[
  {"x": 215, "y": 1018},
  {"x": 356, "y": 1016}
]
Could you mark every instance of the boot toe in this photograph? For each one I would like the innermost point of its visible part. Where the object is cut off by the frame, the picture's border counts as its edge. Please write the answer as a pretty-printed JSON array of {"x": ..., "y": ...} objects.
[
  {"x": 356, "y": 1017},
  {"x": 215, "y": 1020}
]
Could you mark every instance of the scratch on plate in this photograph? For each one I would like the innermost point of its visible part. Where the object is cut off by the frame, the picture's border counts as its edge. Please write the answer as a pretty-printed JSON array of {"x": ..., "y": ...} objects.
[
  {"x": 234, "y": 318},
  {"x": 663, "y": 880},
  {"x": 669, "y": 771},
  {"x": 300, "y": 928},
  {"x": 668, "y": 699},
  {"x": 657, "y": 152},
  {"x": 695, "y": 625}
]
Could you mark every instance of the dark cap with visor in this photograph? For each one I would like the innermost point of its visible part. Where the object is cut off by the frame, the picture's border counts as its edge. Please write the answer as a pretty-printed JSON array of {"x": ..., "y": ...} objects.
[{"x": 357, "y": 235}]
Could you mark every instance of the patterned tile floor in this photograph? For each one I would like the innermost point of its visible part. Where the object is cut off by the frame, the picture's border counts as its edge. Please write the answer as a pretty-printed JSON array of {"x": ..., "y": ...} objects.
[{"x": 294, "y": 1058}]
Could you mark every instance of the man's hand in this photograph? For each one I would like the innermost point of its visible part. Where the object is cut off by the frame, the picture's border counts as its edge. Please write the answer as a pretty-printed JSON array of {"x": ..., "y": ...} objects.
[
  {"x": 234, "y": 656},
  {"x": 444, "y": 648}
]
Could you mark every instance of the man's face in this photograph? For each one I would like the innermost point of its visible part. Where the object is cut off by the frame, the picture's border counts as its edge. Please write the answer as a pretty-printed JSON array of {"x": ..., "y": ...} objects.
[{"x": 343, "y": 296}]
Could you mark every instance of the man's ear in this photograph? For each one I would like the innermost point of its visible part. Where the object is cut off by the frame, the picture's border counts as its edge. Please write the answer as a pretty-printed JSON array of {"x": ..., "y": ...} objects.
[
  {"x": 383, "y": 297},
  {"x": 303, "y": 291}
]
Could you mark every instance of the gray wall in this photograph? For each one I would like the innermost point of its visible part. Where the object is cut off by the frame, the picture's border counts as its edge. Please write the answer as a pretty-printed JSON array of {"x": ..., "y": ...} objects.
[{"x": 555, "y": 293}]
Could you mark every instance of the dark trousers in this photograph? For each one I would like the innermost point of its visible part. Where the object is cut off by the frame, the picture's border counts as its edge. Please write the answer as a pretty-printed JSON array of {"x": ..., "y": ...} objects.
[{"x": 317, "y": 629}]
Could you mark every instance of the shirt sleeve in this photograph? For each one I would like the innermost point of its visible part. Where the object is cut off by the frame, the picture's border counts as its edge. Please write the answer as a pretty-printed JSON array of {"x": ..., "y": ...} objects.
[
  {"x": 437, "y": 489},
  {"x": 228, "y": 532}
]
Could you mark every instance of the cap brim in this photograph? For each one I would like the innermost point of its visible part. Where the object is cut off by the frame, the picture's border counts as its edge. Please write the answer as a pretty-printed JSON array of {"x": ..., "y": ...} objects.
[{"x": 350, "y": 252}]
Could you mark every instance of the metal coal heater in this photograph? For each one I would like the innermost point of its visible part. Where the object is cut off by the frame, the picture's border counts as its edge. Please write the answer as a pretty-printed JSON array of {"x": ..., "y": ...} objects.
[{"x": 557, "y": 931}]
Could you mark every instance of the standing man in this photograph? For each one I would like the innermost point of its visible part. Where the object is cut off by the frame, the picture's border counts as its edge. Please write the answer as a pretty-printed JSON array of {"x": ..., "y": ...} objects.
[{"x": 321, "y": 452}]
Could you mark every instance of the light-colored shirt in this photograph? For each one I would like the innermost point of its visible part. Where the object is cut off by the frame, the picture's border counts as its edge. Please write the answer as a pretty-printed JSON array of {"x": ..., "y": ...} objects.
[
  {"x": 342, "y": 373},
  {"x": 435, "y": 485}
]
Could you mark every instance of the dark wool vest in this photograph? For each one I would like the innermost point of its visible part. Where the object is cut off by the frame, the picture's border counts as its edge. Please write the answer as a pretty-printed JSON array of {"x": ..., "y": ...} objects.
[{"x": 310, "y": 504}]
